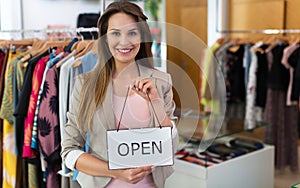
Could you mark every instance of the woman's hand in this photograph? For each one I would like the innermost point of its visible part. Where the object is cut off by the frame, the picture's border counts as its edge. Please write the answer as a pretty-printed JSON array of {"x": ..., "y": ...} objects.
[
  {"x": 144, "y": 86},
  {"x": 132, "y": 175}
]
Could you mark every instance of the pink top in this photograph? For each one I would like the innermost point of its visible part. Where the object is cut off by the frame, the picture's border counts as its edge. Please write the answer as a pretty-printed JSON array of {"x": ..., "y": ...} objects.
[
  {"x": 136, "y": 115},
  {"x": 136, "y": 112}
]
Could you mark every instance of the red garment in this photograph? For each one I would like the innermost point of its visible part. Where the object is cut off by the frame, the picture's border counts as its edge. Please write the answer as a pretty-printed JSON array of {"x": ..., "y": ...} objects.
[{"x": 28, "y": 123}]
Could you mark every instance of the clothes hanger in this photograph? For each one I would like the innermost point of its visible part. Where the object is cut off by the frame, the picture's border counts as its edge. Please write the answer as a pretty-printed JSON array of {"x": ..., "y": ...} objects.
[
  {"x": 52, "y": 44},
  {"x": 62, "y": 61},
  {"x": 83, "y": 48},
  {"x": 294, "y": 39},
  {"x": 92, "y": 47},
  {"x": 25, "y": 42},
  {"x": 76, "y": 43},
  {"x": 236, "y": 45},
  {"x": 37, "y": 44},
  {"x": 74, "y": 46},
  {"x": 4, "y": 43}
]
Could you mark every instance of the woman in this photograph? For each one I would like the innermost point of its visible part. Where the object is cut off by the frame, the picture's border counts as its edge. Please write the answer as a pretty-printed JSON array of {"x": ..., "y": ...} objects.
[{"x": 123, "y": 82}]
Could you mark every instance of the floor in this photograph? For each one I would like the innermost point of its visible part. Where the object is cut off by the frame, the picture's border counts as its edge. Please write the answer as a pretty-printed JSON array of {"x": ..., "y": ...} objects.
[{"x": 286, "y": 178}]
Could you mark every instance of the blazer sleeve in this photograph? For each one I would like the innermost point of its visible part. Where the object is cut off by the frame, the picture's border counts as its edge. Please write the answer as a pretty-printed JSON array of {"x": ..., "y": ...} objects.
[
  {"x": 164, "y": 86},
  {"x": 73, "y": 136},
  {"x": 170, "y": 108}
]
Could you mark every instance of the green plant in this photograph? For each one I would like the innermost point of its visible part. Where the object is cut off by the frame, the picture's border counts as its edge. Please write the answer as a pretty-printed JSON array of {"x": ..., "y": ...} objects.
[{"x": 153, "y": 7}]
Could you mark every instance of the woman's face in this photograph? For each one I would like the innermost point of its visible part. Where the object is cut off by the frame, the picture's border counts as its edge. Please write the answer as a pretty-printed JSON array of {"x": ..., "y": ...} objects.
[{"x": 123, "y": 38}]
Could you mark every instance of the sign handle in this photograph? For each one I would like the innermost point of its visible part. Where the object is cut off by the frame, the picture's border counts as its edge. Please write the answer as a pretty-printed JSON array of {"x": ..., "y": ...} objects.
[{"x": 118, "y": 127}]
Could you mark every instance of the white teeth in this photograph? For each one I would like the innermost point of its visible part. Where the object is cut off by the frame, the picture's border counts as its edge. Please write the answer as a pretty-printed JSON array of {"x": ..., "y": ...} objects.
[{"x": 123, "y": 51}]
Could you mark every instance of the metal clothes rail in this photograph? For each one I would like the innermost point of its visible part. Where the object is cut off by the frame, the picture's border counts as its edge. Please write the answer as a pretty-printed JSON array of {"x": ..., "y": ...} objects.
[
  {"x": 264, "y": 31},
  {"x": 65, "y": 30}
]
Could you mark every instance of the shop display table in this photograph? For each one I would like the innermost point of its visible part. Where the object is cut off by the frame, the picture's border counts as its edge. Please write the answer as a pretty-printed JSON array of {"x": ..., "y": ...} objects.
[{"x": 251, "y": 170}]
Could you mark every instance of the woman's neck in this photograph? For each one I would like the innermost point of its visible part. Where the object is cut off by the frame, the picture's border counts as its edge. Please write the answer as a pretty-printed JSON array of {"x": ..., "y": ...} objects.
[
  {"x": 124, "y": 78},
  {"x": 126, "y": 70}
]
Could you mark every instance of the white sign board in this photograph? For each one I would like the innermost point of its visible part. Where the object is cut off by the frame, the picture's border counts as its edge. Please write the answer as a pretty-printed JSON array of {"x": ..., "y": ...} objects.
[{"x": 132, "y": 148}]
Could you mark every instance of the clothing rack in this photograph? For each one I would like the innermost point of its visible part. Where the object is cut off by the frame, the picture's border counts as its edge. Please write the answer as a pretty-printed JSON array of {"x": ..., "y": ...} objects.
[
  {"x": 263, "y": 31},
  {"x": 31, "y": 33},
  {"x": 65, "y": 30}
]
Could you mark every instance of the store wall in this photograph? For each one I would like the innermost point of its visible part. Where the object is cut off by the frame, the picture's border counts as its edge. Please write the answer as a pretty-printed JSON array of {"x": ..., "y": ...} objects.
[
  {"x": 10, "y": 14},
  {"x": 256, "y": 15},
  {"x": 192, "y": 17},
  {"x": 260, "y": 15},
  {"x": 38, "y": 14}
]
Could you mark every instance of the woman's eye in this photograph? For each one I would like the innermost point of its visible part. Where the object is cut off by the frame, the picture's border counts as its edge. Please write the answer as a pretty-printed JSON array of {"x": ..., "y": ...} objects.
[
  {"x": 115, "y": 33},
  {"x": 132, "y": 33}
]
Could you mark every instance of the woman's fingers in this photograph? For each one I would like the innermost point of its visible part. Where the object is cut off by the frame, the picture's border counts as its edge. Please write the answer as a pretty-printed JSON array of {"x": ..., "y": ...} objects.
[
  {"x": 144, "y": 86},
  {"x": 137, "y": 174}
]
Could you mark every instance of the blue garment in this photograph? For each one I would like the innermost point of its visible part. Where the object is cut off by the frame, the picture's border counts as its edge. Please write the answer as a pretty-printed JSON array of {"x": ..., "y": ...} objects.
[
  {"x": 68, "y": 48},
  {"x": 88, "y": 61}
]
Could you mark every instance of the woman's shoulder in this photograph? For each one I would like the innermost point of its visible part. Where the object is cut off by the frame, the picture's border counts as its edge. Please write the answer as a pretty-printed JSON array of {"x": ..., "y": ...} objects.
[{"x": 155, "y": 73}]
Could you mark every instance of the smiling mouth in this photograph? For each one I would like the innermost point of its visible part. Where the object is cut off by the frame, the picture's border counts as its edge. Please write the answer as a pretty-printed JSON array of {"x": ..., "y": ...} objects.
[{"x": 124, "y": 51}]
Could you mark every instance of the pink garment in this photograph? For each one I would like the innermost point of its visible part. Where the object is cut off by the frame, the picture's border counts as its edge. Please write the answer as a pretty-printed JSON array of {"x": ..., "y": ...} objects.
[
  {"x": 136, "y": 115},
  {"x": 286, "y": 54},
  {"x": 28, "y": 122},
  {"x": 136, "y": 112},
  {"x": 147, "y": 182}
]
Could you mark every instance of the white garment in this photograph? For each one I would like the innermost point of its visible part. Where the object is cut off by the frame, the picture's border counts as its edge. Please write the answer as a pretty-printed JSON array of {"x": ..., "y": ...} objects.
[
  {"x": 63, "y": 97},
  {"x": 251, "y": 93}
]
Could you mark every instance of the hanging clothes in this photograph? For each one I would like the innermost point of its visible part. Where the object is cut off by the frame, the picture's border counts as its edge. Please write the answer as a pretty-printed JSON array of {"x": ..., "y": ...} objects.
[
  {"x": 283, "y": 130},
  {"x": 29, "y": 105},
  {"x": 267, "y": 77},
  {"x": 20, "y": 112},
  {"x": 19, "y": 72},
  {"x": 36, "y": 83},
  {"x": 294, "y": 62},
  {"x": 285, "y": 62},
  {"x": 49, "y": 128},
  {"x": 9, "y": 154},
  {"x": 235, "y": 84},
  {"x": 3, "y": 62}
]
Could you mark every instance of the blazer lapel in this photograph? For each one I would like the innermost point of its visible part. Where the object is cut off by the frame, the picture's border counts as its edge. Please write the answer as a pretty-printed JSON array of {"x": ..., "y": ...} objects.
[
  {"x": 107, "y": 111},
  {"x": 145, "y": 71}
]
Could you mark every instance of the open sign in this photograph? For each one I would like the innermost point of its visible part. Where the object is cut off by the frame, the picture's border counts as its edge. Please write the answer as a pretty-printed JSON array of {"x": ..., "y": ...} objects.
[{"x": 132, "y": 148}]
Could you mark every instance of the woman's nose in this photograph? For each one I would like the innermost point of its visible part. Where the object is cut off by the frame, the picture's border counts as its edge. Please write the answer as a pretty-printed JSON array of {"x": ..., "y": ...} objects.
[{"x": 124, "y": 40}]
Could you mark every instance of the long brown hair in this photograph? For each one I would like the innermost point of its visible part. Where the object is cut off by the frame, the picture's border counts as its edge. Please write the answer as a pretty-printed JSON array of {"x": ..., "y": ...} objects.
[{"x": 97, "y": 80}]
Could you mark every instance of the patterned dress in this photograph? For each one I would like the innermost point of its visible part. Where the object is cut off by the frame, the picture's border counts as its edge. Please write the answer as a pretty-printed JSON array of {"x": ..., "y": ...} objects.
[
  {"x": 49, "y": 129},
  {"x": 6, "y": 113}
]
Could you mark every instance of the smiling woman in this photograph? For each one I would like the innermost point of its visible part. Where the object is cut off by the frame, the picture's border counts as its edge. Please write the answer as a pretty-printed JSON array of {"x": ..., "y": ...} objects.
[{"x": 124, "y": 84}]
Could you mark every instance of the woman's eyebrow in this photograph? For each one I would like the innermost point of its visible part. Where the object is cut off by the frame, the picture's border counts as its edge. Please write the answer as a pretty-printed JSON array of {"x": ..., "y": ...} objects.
[
  {"x": 133, "y": 29},
  {"x": 113, "y": 29}
]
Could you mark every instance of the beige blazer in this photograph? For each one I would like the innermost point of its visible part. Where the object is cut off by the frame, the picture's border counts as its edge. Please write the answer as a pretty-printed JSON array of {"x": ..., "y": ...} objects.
[{"x": 74, "y": 137}]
